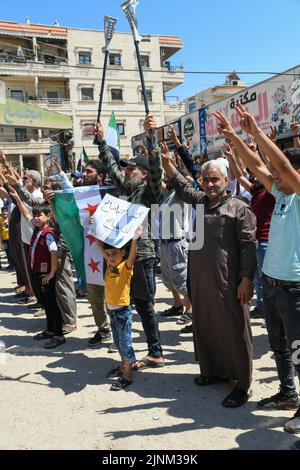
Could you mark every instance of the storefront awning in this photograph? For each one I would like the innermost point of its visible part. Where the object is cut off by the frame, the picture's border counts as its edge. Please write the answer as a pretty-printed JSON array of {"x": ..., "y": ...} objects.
[{"x": 17, "y": 114}]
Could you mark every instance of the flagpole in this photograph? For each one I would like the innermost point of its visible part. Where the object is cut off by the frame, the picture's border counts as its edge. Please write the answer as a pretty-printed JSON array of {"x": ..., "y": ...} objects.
[
  {"x": 102, "y": 85},
  {"x": 129, "y": 8},
  {"x": 144, "y": 92},
  {"x": 109, "y": 29}
]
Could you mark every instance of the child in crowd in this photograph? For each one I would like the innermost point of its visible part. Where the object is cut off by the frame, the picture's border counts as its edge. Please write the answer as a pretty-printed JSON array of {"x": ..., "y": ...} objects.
[
  {"x": 4, "y": 235},
  {"x": 117, "y": 297},
  {"x": 44, "y": 264}
]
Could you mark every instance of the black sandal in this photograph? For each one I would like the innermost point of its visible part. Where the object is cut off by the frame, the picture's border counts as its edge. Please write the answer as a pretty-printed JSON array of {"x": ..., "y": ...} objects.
[
  {"x": 120, "y": 384},
  {"x": 202, "y": 381},
  {"x": 54, "y": 343},
  {"x": 236, "y": 398},
  {"x": 43, "y": 335}
]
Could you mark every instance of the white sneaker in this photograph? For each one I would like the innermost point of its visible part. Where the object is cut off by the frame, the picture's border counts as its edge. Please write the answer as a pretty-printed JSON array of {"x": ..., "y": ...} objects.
[
  {"x": 293, "y": 425},
  {"x": 112, "y": 349}
]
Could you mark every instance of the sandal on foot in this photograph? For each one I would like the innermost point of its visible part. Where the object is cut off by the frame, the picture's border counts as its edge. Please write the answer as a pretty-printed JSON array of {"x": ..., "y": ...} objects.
[
  {"x": 54, "y": 343},
  {"x": 43, "y": 335},
  {"x": 236, "y": 398},
  {"x": 120, "y": 384},
  {"x": 202, "y": 381},
  {"x": 146, "y": 363},
  {"x": 114, "y": 373},
  {"x": 172, "y": 312},
  {"x": 185, "y": 319}
]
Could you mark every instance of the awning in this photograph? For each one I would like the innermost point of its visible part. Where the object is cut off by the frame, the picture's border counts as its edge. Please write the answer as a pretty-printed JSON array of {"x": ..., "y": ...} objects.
[{"x": 17, "y": 114}]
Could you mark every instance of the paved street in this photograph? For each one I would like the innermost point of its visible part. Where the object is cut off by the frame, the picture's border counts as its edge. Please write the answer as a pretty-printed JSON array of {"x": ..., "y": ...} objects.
[{"x": 61, "y": 399}]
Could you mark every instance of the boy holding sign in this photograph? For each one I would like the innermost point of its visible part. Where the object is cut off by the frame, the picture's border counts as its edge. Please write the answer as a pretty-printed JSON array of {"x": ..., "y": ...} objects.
[{"x": 118, "y": 277}]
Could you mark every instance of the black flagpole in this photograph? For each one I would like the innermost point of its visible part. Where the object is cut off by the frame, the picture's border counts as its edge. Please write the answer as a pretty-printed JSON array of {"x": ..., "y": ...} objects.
[
  {"x": 144, "y": 92},
  {"x": 109, "y": 28},
  {"x": 102, "y": 85}
]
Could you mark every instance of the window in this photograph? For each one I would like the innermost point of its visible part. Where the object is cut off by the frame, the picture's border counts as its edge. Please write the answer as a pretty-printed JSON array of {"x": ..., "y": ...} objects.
[
  {"x": 87, "y": 94},
  {"x": 145, "y": 59},
  {"x": 52, "y": 97},
  {"x": 235, "y": 83},
  {"x": 192, "y": 106},
  {"x": 17, "y": 95},
  {"x": 21, "y": 134},
  {"x": 121, "y": 128},
  {"x": 84, "y": 57},
  {"x": 115, "y": 59},
  {"x": 116, "y": 94},
  {"x": 148, "y": 94}
]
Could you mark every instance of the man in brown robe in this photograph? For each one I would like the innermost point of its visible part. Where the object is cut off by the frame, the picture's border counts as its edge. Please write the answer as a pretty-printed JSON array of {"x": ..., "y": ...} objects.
[{"x": 221, "y": 277}]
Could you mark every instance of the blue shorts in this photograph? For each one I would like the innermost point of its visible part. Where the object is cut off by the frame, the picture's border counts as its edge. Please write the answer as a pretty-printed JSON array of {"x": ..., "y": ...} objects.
[{"x": 121, "y": 323}]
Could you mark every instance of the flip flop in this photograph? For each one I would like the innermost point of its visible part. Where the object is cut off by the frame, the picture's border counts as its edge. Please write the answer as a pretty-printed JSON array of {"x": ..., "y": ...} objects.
[
  {"x": 148, "y": 364},
  {"x": 120, "y": 384}
]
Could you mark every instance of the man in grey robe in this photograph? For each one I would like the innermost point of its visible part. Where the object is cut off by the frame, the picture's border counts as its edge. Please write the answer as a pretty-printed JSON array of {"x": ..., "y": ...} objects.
[{"x": 221, "y": 278}]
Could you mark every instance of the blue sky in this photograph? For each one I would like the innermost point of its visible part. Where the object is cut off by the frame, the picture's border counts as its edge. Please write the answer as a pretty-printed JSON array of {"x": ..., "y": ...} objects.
[{"x": 218, "y": 35}]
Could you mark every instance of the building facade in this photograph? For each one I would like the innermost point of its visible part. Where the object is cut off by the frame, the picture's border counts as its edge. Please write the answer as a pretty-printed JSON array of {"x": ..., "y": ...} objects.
[
  {"x": 215, "y": 93},
  {"x": 60, "y": 70}
]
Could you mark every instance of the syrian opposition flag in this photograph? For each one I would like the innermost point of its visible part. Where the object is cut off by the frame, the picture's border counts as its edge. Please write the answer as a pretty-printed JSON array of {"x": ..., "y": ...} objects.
[
  {"x": 83, "y": 161},
  {"x": 73, "y": 209},
  {"x": 113, "y": 138}
]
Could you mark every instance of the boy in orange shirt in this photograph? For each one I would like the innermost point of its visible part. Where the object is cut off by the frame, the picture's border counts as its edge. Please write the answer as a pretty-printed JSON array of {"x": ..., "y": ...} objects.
[{"x": 118, "y": 277}]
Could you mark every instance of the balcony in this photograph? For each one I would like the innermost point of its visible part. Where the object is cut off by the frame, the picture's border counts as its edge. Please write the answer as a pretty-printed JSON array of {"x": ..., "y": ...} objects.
[
  {"x": 46, "y": 65},
  {"x": 172, "y": 76},
  {"x": 54, "y": 104}
]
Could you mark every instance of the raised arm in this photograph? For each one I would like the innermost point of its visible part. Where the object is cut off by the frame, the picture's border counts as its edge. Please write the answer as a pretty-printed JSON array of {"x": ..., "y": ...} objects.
[
  {"x": 23, "y": 209},
  {"x": 108, "y": 160},
  {"x": 277, "y": 158},
  {"x": 251, "y": 159},
  {"x": 155, "y": 163},
  {"x": 179, "y": 183},
  {"x": 183, "y": 152},
  {"x": 133, "y": 249},
  {"x": 235, "y": 168}
]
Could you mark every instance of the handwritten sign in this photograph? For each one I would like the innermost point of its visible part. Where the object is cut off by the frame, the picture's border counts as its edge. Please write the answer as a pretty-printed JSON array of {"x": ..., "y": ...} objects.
[{"x": 116, "y": 221}]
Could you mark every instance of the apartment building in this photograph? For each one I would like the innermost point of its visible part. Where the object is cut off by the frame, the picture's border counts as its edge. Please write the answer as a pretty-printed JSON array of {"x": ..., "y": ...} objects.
[
  {"x": 59, "y": 70},
  {"x": 215, "y": 93}
]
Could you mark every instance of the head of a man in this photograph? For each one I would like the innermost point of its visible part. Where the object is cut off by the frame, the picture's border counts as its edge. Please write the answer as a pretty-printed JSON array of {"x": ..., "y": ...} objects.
[
  {"x": 214, "y": 179},
  {"x": 137, "y": 171},
  {"x": 94, "y": 173},
  {"x": 293, "y": 155},
  {"x": 52, "y": 183},
  {"x": 32, "y": 180}
]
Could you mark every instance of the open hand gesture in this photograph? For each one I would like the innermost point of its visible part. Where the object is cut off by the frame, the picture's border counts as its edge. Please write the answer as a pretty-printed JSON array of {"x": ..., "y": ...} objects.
[{"x": 165, "y": 155}]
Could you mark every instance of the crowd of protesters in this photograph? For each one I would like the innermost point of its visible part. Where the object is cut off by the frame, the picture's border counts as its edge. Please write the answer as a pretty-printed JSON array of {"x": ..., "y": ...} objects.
[{"x": 250, "y": 198}]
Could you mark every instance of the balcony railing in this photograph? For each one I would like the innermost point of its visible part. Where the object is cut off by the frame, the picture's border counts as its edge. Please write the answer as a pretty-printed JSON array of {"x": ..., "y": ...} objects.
[
  {"x": 167, "y": 67},
  {"x": 30, "y": 58}
]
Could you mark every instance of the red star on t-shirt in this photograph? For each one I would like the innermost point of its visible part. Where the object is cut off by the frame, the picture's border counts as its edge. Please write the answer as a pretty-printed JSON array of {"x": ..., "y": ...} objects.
[
  {"x": 91, "y": 209},
  {"x": 91, "y": 239},
  {"x": 94, "y": 265}
]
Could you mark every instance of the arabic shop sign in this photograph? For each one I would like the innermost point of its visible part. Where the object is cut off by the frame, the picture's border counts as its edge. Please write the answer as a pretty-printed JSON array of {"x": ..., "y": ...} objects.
[
  {"x": 272, "y": 102},
  {"x": 18, "y": 114}
]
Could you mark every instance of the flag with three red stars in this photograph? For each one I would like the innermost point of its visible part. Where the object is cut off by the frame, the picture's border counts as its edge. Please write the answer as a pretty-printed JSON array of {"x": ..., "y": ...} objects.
[{"x": 74, "y": 210}]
